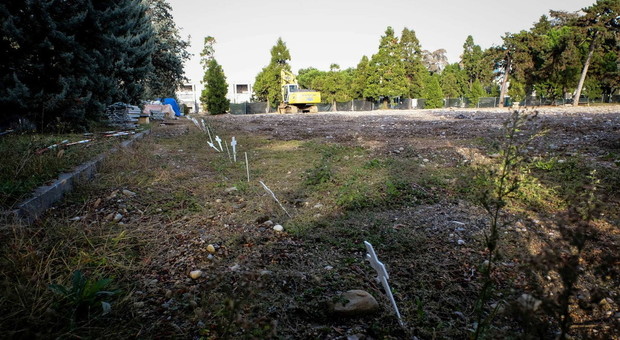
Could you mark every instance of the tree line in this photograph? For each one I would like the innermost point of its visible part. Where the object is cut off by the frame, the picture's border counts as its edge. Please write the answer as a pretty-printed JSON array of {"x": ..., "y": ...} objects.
[
  {"x": 63, "y": 62},
  {"x": 563, "y": 55}
]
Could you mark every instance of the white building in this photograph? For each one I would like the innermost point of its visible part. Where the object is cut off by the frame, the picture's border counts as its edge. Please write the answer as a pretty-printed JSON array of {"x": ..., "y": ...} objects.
[
  {"x": 188, "y": 95},
  {"x": 239, "y": 92}
]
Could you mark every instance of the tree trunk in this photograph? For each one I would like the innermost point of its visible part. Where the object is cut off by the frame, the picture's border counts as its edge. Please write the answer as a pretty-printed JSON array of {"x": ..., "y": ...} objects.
[
  {"x": 584, "y": 71},
  {"x": 503, "y": 91}
]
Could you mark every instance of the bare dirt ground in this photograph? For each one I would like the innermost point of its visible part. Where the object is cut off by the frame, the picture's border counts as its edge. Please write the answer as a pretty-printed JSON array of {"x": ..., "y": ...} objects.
[{"x": 264, "y": 284}]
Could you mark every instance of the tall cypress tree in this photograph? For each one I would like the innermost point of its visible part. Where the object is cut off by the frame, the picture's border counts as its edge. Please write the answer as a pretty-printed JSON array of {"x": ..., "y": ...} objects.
[
  {"x": 412, "y": 59},
  {"x": 267, "y": 85},
  {"x": 214, "y": 93},
  {"x": 386, "y": 76}
]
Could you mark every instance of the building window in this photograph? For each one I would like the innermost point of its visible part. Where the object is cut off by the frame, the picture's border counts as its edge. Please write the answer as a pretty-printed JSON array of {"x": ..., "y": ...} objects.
[{"x": 242, "y": 88}]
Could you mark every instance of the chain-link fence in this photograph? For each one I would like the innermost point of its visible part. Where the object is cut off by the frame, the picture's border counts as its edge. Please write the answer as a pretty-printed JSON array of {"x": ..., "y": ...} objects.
[{"x": 419, "y": 103}]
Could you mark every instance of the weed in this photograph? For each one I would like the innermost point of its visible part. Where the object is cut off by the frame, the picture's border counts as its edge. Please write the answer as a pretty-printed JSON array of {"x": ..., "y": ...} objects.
[
  {"x": 499, "y": 183},
  {"x": 84, "y": 295}
]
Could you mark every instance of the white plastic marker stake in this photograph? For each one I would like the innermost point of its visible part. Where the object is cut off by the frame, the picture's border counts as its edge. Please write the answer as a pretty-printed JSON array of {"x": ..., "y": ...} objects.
[
  {"x": 233, "y": 143},
  {"x": 382, "y": 277},
  {"x": 227, "y": 150},
  {"x": 210, "y": 138},
  {"x": 213, "y": 146},
  {"x": 204, "y": 128},
  {"x": 274, "y": 197},
  {"x": 219, "y": 141},
  {"x": 247, "y": 166}
]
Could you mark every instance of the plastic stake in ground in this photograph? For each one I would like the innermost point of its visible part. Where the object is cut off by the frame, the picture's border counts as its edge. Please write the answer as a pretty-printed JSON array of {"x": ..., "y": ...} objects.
[
  {"x": 233, "y": 143},
  {"x": 213, "y": 146},
  {"x": 227, "y": 150},
  {"x": 247, "y": 166},
  {"x": 382, "y": 277},
  {"x": 219, "y": 141},
  {"x": 274, "y": 197},
  {"x": 204, "y": 127},
  {"x": 210, "y": 138}
]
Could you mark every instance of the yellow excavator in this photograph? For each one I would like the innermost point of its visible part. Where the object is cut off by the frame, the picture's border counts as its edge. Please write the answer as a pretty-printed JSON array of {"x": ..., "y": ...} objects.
[{"x": 295, "y": 99}]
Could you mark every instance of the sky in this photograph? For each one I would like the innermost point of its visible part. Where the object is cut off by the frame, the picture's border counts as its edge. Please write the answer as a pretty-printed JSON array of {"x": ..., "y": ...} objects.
[{"x": 319, "y": 33}]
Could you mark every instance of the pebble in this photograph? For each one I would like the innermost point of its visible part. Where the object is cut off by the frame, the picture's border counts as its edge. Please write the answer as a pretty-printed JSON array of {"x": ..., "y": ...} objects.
[
  {"x": 76, "y": 218},
  {"x": 318, "y": 206},
  {"x": 218, "y": 201},
  {"x": 194, "y": 274},
  {"x": 268, "y": 223},
  {"x": 460, "y": 242},
  {"x": 211, "y": 249},
  {"x": 329, "y": 267},
  {"x": 118, "y": 217},
  {"x": 128, "y": 193},
  {"x": 278, "y": 228},
  {"x": 235, "y": 267},
  {"x": 231, "y": 189},
  {"x": 358, "y": 302}
]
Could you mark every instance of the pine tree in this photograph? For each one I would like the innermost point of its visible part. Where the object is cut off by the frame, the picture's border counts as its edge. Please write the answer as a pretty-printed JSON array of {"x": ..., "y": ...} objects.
[
  {"x": 360, "y": 78},
  {"x": 432, "y": 92},
  {"x": 171, "y": 52},
  {"x": 475, "y": 93},
  {"x": 386, "y": 76},
  {"x": 412, "y": 59},
  {"x": 267, "y": 86},
  {"x": 453, "y": 81},
  {"x": 214, "y": 94}
]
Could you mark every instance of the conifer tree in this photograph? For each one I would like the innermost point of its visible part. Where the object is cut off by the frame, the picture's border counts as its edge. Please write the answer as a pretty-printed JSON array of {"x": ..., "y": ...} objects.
[
  {"x": 432, "y": 92},
  {"x": 386, "y": 76},
  {"x": 475, "y": 93},
  {"x": 412, "y": 60},
  {"x": 360, "y": 78},
  {"x": 267, "y": 85},
  {"x": 170, "y": 52},
  {"x": 214, "y": 94}
]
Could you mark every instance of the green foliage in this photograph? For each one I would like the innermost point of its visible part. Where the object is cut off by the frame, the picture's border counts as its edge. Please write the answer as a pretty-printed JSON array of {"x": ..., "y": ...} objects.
[
  {"x": 84, "y": 295},
  {"x": 267, "y": 86},
  {"x": 386, "y": 76},
  {"x": 360, "y": 78},
  {"x": 433, "y": 93},
  {"x": 475, "y": 93},
  {"x": 516, "y": 91},
  {"x": 412, "y": 59},
  {"x": 453, "y": 81},
  {"x": 214, "y": 94},
  {"x": 170, "y": 52},
  {"x": 472, "y": 61}
]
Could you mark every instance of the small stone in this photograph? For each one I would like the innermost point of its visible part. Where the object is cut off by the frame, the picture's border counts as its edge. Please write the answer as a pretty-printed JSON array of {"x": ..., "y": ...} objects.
[
  {"x": 355, "y": 302},
  {"x": 97, "y": 202},
  {"x": 329, "y": 267},
  {"x": 318, "y": 206},
  {"x": 231, "y": 189},
  {"x": 218, "y": 200},
  {"x": 210, "y": 257},
  {"x": 168, "y": 293},
  {"x": 265, "y": 272},
  {"x": 76, "y": 218},
  {"x": 158, "y": 210},
  {"x": 128, "y": 193},
  {"x": 529, "y": 302},
  {"x": 278, "y": 228},
  {"x": 268, "y": 223},
  {"x": 194, "y": 274},
  {"x": 460, "y": 242},
  {"x": 235, "y": 267},
  {"x": 118, "y": 217},
  {"x": 211, "y": 249},
  {"x": 425, "y": 160}
]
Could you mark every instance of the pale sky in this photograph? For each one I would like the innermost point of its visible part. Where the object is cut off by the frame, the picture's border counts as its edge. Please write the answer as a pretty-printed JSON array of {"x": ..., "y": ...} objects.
[{"x": 321, "y": 32}]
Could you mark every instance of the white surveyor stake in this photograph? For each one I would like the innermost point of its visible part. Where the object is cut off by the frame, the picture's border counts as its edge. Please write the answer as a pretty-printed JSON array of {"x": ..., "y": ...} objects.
[
  {"x": 233, "y": 143},
  {"x": 382, "y": 277},
  {"x": 219, "y": 141}
]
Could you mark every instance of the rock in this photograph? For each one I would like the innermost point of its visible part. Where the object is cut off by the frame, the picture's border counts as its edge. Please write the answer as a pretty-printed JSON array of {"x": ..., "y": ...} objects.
[
  {"x": 235, "y": 268},
  {"x": 529, "y": 302},
  {"x": 231, "y": 189},
  {"x": 355, "y": 302},
  {"x": 128, "y": 193},
  {"x": 218, "y": 201},
  {"x": 425, "y": 160},
  {"x": 329, "y": 267},
  {"x": 268, "y": 223},
  {"x": 118, "y": 217},
  {"x": 278, "y": 228},
  {"x": 211, "y": 249},
  {"x": 318, "y": 206},
  {"x": 194, "y": 274},
  {"x": 460, "y": 242}
]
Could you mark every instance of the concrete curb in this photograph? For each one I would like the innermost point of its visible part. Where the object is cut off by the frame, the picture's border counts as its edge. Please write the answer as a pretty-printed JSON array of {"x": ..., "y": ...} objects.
[{"x": 45, "y": 196}]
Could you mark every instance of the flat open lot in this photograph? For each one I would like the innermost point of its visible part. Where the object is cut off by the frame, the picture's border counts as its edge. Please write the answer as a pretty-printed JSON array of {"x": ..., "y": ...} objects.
[{"x": 406, "y": 181}]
